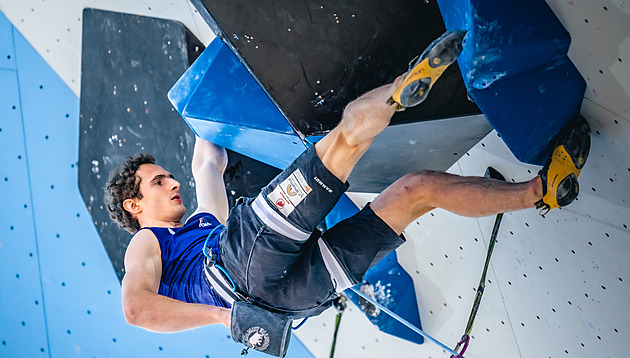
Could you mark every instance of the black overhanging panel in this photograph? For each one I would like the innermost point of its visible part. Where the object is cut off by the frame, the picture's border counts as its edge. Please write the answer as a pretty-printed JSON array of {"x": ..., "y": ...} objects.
[{"x": 313, "y": 58}]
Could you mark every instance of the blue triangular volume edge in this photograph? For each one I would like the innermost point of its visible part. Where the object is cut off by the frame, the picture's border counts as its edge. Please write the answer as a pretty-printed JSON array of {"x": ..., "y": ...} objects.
[
  {"x": 224, "y": 104},
  {"x": 516, "y": 69},
  {"x": 394, "y": 286}
]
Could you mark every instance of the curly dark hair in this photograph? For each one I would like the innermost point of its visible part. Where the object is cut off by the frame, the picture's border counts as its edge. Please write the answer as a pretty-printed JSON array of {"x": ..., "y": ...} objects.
[{"x": 123, "y": 185}]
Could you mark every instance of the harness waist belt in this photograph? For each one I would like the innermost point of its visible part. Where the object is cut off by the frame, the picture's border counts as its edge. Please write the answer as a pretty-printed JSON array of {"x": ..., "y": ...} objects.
[{"x": 220, "y": 283}]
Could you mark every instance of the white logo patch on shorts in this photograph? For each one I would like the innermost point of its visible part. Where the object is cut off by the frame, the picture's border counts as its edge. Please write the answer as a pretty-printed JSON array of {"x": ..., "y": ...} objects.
[
  {"x": 290, "y": 193},
  {"x": 257, "y": 338}
]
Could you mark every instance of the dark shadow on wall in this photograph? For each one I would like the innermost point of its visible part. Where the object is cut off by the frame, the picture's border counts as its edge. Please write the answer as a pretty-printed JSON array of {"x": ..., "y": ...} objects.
[{"x": 129, "y": 63}]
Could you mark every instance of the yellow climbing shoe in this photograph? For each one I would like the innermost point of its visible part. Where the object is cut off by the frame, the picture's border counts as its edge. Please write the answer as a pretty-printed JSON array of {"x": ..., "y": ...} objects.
[
  {"x": 560, "y": 173},
  {"x": 425, "y": 69}
]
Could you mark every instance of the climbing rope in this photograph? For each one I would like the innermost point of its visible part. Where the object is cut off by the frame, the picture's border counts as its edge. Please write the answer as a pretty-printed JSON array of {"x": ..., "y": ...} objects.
[
  {"x": 463, "y": 343},
  {"x": 403, "y": 321},
  {"x": 340, "y": 304},
  {"x": 465, "y": 340}
]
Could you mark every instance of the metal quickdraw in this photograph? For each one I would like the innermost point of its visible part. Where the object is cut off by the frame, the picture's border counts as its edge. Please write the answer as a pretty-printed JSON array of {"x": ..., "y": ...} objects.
[{"x": 464, "y": 341}]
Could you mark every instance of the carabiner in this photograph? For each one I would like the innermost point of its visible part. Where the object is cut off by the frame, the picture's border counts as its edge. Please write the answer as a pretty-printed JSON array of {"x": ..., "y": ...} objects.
[{"x": 465, "y": 339}]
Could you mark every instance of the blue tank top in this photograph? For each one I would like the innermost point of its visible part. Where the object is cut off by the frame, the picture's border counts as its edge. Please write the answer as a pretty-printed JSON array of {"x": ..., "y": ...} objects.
[{"x": 182, "y": 260}]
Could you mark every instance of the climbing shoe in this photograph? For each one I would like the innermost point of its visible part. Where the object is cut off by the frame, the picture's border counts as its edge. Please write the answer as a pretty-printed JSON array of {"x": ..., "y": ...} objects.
[
  {"x": 560, "y": 173},
  {"x": 425, "y": 69}
]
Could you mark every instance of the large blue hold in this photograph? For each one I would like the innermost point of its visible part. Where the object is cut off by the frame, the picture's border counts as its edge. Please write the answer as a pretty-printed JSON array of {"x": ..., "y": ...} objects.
[
  {"x": 223, "y": 103},
  {"x": 394, "y": 289},
  {"x": 515, "y": 67}
]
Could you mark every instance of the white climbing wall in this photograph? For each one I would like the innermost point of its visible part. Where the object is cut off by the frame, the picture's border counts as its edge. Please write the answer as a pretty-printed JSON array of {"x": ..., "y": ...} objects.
[{"x": 54, "y": 28}]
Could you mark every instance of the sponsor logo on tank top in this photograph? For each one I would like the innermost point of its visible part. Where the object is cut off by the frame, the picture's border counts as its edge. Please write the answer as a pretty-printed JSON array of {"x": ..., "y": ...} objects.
[{"x": 203, "y": 222}]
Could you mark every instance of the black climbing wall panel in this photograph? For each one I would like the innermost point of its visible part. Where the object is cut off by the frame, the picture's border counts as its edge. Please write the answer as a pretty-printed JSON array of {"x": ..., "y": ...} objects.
[
  {"x": 129, "y": 63},
  {"x": 314, "y": 57}
]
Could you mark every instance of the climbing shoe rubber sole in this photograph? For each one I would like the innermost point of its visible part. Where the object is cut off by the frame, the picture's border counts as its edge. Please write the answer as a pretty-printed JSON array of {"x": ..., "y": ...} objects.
[
  {"x": 425, "y": 69},
  {"x": 560, "y": 173}
]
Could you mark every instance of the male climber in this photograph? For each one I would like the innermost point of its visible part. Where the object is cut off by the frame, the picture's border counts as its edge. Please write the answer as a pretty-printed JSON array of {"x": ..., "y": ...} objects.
[{"x": 269, "y": 250}]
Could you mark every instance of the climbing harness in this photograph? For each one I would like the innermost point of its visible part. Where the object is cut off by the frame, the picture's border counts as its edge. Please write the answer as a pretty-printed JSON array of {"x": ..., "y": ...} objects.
[
  {"x": 206, "y": 250},
  {"x": 253, "y": 322},
  {"x": 218, "y": 277}
]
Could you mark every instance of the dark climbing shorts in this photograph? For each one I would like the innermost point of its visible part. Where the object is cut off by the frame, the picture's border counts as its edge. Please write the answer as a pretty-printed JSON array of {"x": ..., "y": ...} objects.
[{"x": 274, "y": 253}]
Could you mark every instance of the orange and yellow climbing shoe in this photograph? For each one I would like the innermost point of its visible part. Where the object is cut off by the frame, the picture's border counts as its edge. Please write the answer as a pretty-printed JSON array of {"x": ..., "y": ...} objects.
[
  {"x": 560, "y": 173},
  {"x": 425, "y": 69}
]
